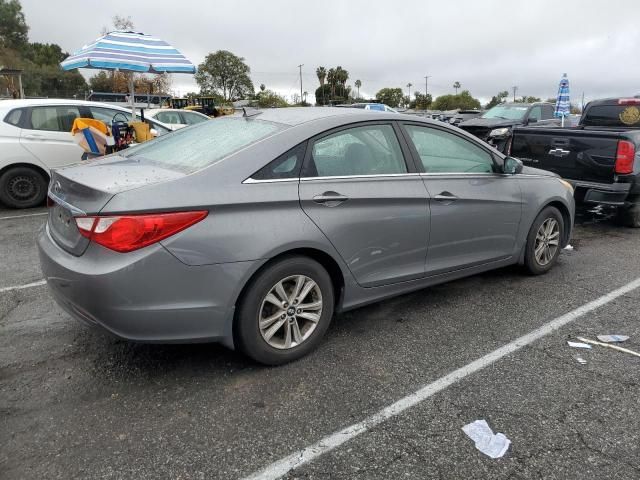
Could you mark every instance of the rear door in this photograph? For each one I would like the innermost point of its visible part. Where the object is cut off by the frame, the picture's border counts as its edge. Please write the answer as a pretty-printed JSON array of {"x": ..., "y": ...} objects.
[
  {"x": 475, "y": 211},
  {"x": 47, "y": 134},
  {"x": 358, "y": 188}
]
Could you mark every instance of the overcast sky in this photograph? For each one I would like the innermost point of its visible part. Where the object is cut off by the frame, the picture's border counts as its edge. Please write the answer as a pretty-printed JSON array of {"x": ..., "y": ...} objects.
[{"x": 487, "y": 45}]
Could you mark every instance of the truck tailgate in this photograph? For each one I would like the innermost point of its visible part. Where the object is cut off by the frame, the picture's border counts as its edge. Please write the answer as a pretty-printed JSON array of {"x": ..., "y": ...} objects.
[{"x": 585, "y": 155}]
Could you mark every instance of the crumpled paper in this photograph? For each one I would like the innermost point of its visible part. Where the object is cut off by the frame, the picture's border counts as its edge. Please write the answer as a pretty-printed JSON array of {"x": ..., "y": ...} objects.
[{"x": 493, "y": 445}]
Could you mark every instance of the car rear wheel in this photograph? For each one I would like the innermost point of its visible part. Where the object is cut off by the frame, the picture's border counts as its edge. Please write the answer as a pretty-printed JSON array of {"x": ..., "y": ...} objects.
[
  {"x": 285, "y": 311},
  {"x": 544, "y": 241},
  {"x": 22, "y": 187}
]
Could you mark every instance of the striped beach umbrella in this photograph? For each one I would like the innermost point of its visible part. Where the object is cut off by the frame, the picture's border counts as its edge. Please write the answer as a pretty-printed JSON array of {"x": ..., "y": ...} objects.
[
  {"x": 129, "y": 52},
  {"x": 563, "y": 105}
]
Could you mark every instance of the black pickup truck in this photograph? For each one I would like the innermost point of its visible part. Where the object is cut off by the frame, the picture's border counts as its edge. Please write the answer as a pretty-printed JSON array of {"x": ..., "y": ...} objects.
[{"x": 600, "y": 157}]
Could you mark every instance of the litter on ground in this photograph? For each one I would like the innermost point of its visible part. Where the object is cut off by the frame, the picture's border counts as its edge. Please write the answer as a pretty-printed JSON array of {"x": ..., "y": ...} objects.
[
  {"x": 608, "y": 345},
  {"x": 493, "y": 445},
  {"x": 581, "y": 360},
  {"x": 612, "y": 338},
  {"x": 578, "y": 344}
]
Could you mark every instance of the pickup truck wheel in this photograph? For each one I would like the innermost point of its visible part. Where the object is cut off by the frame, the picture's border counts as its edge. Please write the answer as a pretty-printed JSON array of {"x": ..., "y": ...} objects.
[
  {"x": 22, "y": 187},
  {"x": 544, "y": 241},
  {"x": 630, "y": 216}
]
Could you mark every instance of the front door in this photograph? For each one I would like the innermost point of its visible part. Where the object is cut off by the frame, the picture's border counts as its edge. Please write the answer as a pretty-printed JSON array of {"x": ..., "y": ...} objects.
[
  {"x": 358, "y": 189},
  {"x": 475, "y": 212}
]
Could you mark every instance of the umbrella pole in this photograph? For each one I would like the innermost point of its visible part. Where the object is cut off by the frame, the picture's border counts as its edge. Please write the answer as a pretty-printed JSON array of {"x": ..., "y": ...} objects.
[
  {"x": 132, "y": 93},
  {"x": 562, "y": 122}
]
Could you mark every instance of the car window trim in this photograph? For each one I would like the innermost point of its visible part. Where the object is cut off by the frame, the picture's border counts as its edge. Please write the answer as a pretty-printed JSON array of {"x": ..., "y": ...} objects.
[
  {"x": 312, "y": 140},
  {"x": 497, "y": 161}
]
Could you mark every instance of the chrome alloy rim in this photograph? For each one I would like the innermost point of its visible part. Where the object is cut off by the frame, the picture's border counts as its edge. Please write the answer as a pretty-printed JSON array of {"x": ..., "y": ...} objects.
[
  {"x": 547, "y": 241},
  {"x": 290, "y": 312}
]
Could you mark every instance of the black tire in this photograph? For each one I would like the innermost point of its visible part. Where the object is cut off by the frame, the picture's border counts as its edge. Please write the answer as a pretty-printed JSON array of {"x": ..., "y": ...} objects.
[
  {"x": 22, "y": 187},
  {"x": 630, "y": 216},
  {"x": 248, "y": 336},
  {"x": 533, "y": 265}
]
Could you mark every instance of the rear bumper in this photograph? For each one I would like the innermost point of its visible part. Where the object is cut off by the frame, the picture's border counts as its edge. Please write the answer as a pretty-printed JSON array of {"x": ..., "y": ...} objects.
[
  {"x": 614, "y": 194},
  {"x": 147, "y": 295}
]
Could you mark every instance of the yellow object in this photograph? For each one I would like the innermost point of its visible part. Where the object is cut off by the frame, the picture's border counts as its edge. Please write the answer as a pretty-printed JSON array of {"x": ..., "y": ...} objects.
[
  {"x": 142, "y": 130},
  {"x": 82, "y": 123}
]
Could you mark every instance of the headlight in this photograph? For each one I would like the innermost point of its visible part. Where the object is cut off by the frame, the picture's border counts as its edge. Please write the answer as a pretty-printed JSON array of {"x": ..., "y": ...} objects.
[
  {"x": 499, "y": 132},
  {"x": 566, "y": 184}
]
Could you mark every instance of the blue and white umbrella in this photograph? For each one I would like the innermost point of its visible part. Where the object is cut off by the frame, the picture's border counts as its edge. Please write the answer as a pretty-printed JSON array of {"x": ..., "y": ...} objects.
[
  {"x": 129, "y": 52},
  {"x": 563, "y": 105}
]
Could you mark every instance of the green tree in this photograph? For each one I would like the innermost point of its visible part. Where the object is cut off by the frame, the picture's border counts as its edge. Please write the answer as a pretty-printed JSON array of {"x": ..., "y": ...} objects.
[
  {"x": 225, "y": 73},
  {"x": 529, "y": 99},
  {"x": 497, "y": 99},
  {"x": 323, "y": 94},
  {"x": 13, "y": 27},
  {"x": 456, "y": 85},
  {"x": 44, "y": 53},
  {"x": 463, "y": 100},
  {"x": 270, "y": 99},
  {"x": 390, "y": 96},
  {"x": 321, "y": 72},
  {"x": 421, "y": 102},
  {"x": 358, "y": 84}
]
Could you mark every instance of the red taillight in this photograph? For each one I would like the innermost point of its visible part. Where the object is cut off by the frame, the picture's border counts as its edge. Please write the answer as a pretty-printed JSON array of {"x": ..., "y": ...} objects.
[
  {"x": 125, "y": 233},
  {"x": 629, "y": 101},
  {"x": 624, "y": 157}
]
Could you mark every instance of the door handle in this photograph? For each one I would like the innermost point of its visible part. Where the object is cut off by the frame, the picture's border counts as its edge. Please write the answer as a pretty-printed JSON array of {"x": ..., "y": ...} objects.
[
  {"x": 330, "y": 199},
  {"x": 559, "y": 152},
  {"x": 445, "y": 197},
  {"x": 33, "y": 136}
]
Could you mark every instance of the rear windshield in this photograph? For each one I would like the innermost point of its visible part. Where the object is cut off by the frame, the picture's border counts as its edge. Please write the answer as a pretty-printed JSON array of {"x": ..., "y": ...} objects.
[
  {"x": 612, "y": 116},
  {"x": 190, "y": 149}
]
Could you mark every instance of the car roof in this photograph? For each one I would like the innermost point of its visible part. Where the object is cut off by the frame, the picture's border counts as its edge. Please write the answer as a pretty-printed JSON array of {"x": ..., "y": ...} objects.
[
  {"x": 293, "y": 116},
  {"x": 33, "y": 102}
]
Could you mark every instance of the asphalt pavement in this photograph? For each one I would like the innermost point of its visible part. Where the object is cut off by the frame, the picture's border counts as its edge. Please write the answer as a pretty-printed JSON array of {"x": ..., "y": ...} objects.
[{"x": 77, "y": 403}]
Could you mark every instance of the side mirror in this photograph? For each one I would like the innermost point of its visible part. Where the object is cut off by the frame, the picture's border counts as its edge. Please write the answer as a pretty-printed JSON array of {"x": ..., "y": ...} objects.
[
  {"x": 532, "y": 120},
  {"x": 512, "y": 166}
]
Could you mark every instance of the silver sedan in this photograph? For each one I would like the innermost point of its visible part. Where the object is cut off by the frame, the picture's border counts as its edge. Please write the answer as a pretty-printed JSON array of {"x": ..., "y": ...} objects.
[{"x": 255, "y": 230}]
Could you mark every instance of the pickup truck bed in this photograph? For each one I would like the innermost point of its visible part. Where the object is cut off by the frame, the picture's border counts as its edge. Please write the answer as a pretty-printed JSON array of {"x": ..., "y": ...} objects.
[{"x": 584, "y": 156}]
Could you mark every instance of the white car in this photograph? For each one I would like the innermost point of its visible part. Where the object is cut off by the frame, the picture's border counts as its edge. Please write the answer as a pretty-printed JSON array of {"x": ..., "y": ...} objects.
[
  {"x": 35, "y": 137},
  {"x": 176, "y": 118}
]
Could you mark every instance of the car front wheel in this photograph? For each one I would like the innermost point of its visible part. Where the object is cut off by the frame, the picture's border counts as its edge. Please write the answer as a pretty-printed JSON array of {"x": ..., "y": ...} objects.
[
  {"x": 544, "y": 241},
  {"x": 22, "y": 187},
  {"x": 285, "y": 311}
]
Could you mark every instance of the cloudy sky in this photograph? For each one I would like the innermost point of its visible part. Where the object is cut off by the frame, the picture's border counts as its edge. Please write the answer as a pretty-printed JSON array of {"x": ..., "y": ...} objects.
[{"x": 488, "y": 45}]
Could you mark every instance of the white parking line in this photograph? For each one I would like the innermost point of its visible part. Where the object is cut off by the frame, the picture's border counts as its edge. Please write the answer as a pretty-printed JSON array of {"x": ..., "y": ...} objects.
[
  {"x": 22, "y": 287},
  {"x": 23, "y": 216},
  {"x": 330, "y": 442}
]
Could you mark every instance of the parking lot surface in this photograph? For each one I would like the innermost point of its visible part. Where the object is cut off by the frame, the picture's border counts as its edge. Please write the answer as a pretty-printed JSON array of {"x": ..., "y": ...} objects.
[{"x": 76, "y": 403}]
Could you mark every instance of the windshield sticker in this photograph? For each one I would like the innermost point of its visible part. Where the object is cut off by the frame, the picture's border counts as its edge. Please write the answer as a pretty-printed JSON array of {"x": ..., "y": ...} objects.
[{"x": 630, "y": 116}]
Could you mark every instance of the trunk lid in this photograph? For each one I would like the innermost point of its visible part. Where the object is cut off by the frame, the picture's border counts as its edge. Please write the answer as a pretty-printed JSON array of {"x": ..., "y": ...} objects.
[{"x": 86, "y": 189}]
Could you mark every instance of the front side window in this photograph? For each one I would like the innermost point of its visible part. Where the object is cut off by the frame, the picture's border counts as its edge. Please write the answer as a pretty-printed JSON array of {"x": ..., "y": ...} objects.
[
  {"x": 536, "y": 112},
  {"x": 190, "y": 149},
  {"x": 169, "y": 118},
  {"x": 108, "y": 116},
  {"x": 369, "y": 150},
  {"x": 54, "y": 118},
  {"x": 444, "y": 152}
]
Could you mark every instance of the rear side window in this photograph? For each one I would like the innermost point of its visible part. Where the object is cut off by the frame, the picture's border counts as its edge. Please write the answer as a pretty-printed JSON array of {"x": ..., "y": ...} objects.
[
  {"x": 612, "y": 116},
  {"x": 285, "y": 166},
  {"x": 58, "y": 118},
  {"x": 443, "y": 152},
  {"x": 370, "y": 150},
  {"x": 14, "y": 117},
  {"x": 190, "y": 149}
]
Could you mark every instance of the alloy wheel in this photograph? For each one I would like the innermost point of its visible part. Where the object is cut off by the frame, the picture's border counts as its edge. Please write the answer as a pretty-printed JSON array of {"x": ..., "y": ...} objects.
[
  {"x": 547, "y": 241},
  {"x": 290, "y": 312}
]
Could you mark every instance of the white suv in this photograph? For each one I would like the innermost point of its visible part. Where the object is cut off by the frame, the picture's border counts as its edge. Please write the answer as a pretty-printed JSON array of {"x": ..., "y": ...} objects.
[{"x": 35, "y": 137}]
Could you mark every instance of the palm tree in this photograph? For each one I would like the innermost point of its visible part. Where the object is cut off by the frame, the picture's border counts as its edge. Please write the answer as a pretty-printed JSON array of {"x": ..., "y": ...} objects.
[
  {"x": 358, "y": 84},
  {"x": 409, "y": 85},
  {"x": 321, "y": 72},
  {"x": 262, "y": 87},
  {"x": 456, "y": 85},
  {"x": 331, "y": 80}
]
